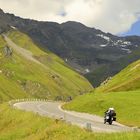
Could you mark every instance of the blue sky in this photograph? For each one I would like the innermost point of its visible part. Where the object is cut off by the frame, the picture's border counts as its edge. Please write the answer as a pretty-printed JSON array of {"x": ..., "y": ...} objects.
[{"x": 134, "y": 30}]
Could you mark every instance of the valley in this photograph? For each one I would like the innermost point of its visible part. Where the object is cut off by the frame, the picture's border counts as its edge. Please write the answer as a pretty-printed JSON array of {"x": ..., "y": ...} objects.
[
  {"x": 79, "y": 71},
  {"x": 91, "y": 52},
  {"x": 36, "y": 73},
  {"x": 122, "y": 92}
]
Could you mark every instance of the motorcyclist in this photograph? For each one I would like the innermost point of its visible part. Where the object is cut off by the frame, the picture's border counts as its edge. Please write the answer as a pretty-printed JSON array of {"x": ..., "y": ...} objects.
[
  {"x": 111, "y": 114},
  {"x": 111, "y": 111}
]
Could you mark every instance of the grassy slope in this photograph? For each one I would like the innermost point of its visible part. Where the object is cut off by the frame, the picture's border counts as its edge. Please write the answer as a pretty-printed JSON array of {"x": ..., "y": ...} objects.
[
  {"x": 128, "y": 79},
  {"x": 124, "y": 95},
  {"x": 21, "y": 77},
  {"x": 19, "y": 125},
  {"x": 9, "y": 89},
  {"x": 126, "y": 104},
  {"x": 102, "y": 73},
  {"x": 98, "y": 75}
]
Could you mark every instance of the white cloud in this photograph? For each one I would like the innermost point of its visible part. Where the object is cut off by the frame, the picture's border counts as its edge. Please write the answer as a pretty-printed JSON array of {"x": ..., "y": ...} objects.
[{"x": 108, "y": 15}]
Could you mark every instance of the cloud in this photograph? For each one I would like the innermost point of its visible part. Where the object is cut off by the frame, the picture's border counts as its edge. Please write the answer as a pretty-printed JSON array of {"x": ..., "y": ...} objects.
[{"x": 113, "y": 16}]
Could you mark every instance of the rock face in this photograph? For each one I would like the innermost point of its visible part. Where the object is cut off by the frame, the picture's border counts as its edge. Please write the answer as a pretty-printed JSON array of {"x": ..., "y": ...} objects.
[
  {"x": 91, "y": 52},
  {"x": 4, "y": 25}
]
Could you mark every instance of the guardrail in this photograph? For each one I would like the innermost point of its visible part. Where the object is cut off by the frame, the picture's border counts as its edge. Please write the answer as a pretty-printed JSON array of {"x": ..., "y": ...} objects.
[{"x": 27, "y": 99}]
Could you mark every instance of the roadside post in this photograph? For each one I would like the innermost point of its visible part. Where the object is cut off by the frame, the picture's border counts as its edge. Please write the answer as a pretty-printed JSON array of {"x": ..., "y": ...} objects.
[{"x": 88, "y": 126}]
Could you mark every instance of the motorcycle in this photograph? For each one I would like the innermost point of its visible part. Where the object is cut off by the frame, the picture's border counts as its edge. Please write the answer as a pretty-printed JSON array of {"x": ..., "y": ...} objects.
[{"x": 109, "y": 117}]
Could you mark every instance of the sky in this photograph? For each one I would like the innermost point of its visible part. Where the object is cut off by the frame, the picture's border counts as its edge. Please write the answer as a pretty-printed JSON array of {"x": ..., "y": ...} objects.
[
  {"x": 134, "y": 30},
  {"x": 114, "y": 16}
]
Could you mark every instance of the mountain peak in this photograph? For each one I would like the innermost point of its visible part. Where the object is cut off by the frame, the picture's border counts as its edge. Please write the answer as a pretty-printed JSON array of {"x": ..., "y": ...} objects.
[
  {"x": 73, "y": 23},
  {"x": 1, "y": 11},
  {"x": 86, "y": 49}
]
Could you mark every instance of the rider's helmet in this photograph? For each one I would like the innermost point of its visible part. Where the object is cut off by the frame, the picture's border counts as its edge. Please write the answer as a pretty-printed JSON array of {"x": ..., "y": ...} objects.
[
  {"x": 111, "y": 108},
  {"x": 112, "y": 111}
]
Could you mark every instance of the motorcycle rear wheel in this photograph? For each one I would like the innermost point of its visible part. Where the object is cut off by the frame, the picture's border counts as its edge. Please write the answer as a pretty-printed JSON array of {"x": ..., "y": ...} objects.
[{"x": 110, "y": 122}]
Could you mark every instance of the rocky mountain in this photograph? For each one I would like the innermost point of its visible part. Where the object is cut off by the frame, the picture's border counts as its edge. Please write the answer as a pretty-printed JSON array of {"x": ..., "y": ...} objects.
[
  {"x": 91, "y": 52},
  {"x": 28, "y": 71},
  {"x": 4, "y": 25}
]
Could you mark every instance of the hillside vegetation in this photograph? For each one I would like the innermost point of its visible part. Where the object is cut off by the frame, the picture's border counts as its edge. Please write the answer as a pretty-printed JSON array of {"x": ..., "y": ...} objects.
[
  {"x": 20, "y": 125},
  {"x": 128, "y": 79},
  {"x": 49, "y": 78},
  {"x": 126, "y": 104},
  {"x": 121, "y": 92},
  {"x": 103, "y": 72}
]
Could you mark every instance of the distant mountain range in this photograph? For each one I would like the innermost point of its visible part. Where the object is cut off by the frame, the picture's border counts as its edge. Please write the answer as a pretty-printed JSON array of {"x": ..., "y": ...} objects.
[{"x": 91, "y": 52}]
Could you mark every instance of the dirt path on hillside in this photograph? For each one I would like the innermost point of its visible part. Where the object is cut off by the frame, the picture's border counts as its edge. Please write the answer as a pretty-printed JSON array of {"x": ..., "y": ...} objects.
[{"x": 23, "y": 52}]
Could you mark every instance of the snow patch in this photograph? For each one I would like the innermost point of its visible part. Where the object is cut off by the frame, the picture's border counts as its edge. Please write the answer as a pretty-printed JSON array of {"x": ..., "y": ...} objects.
[
  {"x": 13, "y": 27},
  {"x": 87, "y": 70},
  {"x": 103, "y": 45},
  {"x": 122, "y": 43},
  {"x": 127, "y": 43},
  {"x": 127, "y": 50},
  {"x": 104, "y": 37}
]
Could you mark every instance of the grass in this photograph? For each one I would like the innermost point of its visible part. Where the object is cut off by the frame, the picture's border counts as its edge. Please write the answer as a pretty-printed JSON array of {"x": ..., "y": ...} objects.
[
  {"x": 9, "y": 89},
  {"x": 20, "y": 125},
  {"x": 121, "y": 92},
  {"x": 128, "y": 79},
  {"x": 22, "y": 78},
  {"x": 103, "y": 72},
  {"x": 126, "y": 104},
  {"x": 98, "y": 75}
]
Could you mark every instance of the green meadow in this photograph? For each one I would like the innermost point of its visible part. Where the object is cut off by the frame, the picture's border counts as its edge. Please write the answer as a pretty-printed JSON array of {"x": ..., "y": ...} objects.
[
  {"x": 21, "y": 77},
  {"x": 126, "y": 80},
  {"x": 126, "y": 104},
  {"x": 20, "y": 125}
]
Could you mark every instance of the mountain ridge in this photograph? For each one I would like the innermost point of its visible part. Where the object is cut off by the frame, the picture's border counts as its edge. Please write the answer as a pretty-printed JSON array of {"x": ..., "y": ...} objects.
[
  {"x": 27, "y": 71},
  {"x": 85, "y": 49}
]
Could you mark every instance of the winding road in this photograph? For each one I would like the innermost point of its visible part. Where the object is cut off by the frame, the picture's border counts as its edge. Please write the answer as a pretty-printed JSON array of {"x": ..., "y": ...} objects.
[
  {"x": 54, "y": 110},
  {"x": 84, "y": 120}
]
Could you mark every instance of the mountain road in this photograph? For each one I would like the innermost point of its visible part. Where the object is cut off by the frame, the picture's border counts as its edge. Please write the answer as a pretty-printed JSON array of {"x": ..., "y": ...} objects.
[{"x": 84, "y": 120}]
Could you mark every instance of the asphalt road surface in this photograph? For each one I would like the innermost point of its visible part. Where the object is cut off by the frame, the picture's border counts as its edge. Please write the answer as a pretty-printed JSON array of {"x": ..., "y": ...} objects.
[{"x": 84, "y": 120}]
